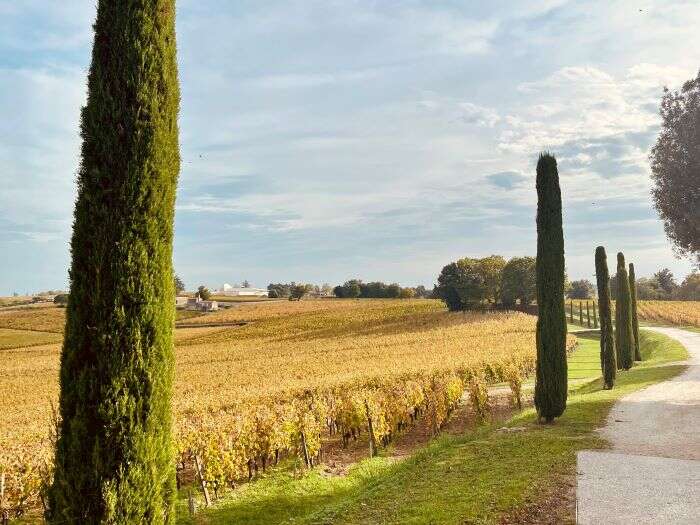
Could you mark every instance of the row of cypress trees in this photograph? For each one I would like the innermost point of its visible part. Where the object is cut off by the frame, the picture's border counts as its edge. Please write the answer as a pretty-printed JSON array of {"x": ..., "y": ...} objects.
[{"x": 619, "y": 349}]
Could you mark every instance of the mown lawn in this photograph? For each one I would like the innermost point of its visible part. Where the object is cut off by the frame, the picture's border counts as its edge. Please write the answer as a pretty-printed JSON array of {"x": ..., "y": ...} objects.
[{"x": 470, "y": 478}]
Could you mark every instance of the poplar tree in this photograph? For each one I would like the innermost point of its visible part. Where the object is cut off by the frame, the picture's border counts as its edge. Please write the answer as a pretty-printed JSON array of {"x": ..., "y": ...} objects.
[
  {"x": 551, "y": 374},
  {"x": 114, "y": 454},
  {"x": 635, "y": 320},
  {"x": 607, "y": 346},
  {"x": 624, "y": 337}
]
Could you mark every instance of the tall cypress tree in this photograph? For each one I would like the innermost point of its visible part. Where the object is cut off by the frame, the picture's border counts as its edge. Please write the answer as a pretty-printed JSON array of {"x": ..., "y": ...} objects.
[
  {"x": 607, "y": 346},
  {"x": 114, "y": 455},
  {"x": 635, "y": 320},
  {"x": 624, "y": 338},
  {"x": 551, "y": 376}
]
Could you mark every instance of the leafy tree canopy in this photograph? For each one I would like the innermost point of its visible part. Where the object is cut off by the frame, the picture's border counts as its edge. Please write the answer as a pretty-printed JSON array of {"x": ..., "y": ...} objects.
[{"x": 675, "y": 166}]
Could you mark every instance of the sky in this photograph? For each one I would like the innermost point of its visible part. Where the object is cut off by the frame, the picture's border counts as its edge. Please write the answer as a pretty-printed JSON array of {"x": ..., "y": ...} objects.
[{"x": 334, "y": 139}]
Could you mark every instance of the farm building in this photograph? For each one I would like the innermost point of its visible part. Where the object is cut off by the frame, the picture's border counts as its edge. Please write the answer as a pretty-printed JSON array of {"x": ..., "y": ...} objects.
[
  {"x": 233, "y": 291},
  {"x": 195, "y": 303}
]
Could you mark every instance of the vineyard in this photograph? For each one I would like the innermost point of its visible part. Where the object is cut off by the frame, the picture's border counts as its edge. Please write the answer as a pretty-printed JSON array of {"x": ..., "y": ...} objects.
[
  {"x": 679, "y": 313},
  {"x": 266, "y": 381},
  {"x": 683, "y": 313}
]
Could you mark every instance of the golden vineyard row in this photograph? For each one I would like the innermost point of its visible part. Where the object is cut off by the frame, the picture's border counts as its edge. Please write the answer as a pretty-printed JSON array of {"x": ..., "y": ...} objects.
[{"x": 286, "y": 382}]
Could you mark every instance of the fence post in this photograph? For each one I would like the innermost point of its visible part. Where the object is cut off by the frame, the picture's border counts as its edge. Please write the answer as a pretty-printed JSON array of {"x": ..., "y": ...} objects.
[
  {"x": 595, "y": 316},
  {"x": 588, "y": 315},
  {"x": 571, "y": 311},
  {"x": 203, "y": 482}
]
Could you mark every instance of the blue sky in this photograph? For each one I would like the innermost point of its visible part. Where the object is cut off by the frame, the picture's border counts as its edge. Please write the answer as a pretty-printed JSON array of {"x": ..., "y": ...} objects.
[{"x": 325, "y": 140}]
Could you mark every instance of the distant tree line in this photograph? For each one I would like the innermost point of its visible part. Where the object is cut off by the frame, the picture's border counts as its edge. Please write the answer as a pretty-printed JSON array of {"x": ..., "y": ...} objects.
[
  {"x": 296, "y": 290},
  {"x": 474, "y": 283},
  {"x": 356, "y": 288},
  {"x": 662, "y": 286}
]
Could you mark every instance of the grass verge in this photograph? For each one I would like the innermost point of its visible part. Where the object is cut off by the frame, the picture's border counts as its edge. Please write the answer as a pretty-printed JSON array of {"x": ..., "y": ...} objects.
[{"x": 472, "y": 478}]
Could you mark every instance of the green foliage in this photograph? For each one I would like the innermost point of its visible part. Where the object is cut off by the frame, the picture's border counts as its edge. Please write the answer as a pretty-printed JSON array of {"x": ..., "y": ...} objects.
[
  {"x": 519, "y": 281},
  {"x": 689, "y": 289},
  {"x": 608, "y": 361},
  {"x": 349, "y": 290},
  {"x": 203, "y": 293},
  {"x": 624, "y": 336},
  {"x": 114, "y": 455},
  {"x": 581, "y": 289},
  {"x": 278, "y": 290},
  {"x": 61, "y": 299},
  {"x": 666, "y": 281},
  {"x": 635, "y": 320},
  {"x": 179, "y": 285},
  {"x": 299, "y": 290},
  {"x": 551, "y": 375},
  {"x": 491, "y": 270},
  {"x": 373, "y": 290},
  {"x": 674, "y": 168}
]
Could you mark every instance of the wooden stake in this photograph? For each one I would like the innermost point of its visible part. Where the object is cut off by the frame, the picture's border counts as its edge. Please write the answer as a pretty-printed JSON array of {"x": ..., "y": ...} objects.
[
  {"x": 372, "y": 440},
  {"x": 203, "y": 482},
  {"x": 305, "y": 450}
]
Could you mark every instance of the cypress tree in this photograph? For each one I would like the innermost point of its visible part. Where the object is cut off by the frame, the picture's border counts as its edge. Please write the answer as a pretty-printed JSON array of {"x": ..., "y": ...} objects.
[
  {"x": 635, "y": 320},
  {"x": 551, "y": 375},
  {"x": 114, "y": 454},
  {"x": 624, "y": 338},
  {"x": 607, "y": 346}
]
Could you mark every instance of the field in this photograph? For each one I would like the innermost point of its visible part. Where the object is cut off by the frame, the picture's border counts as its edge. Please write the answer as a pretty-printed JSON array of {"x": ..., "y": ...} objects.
[
  {"x": 682, "y": 313},
  {"x": 264, "y": 380},
  {"x": 679, "y": 313}
]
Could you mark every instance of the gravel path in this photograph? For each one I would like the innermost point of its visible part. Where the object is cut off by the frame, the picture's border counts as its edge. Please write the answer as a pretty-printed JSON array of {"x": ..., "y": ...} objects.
[{"x": 652, "y": 474}]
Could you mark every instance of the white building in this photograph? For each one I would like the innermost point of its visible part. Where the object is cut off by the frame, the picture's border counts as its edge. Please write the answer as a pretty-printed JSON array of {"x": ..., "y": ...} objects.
[
  {"x": 233, "y": 291},
  {"x": 195, "y": 303},
  {"x": 181, "y": 300}
]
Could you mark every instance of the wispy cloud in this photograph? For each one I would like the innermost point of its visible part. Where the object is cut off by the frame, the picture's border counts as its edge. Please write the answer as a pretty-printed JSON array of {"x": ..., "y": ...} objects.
[{"x": 321, "y": 140}]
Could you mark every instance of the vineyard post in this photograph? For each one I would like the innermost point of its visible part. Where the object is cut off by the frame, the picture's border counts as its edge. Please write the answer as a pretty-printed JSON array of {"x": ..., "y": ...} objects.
[
  {"x": 588, "y": 314},
  {"x": 571, "y": 311},
  {"x": 202, "y": 481},
  {"x": 595, "y": 316},
  {"x": 372, "y": 440},
  {"x": 580, "y": 313},
  {"x": 305, "y": 450}
]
